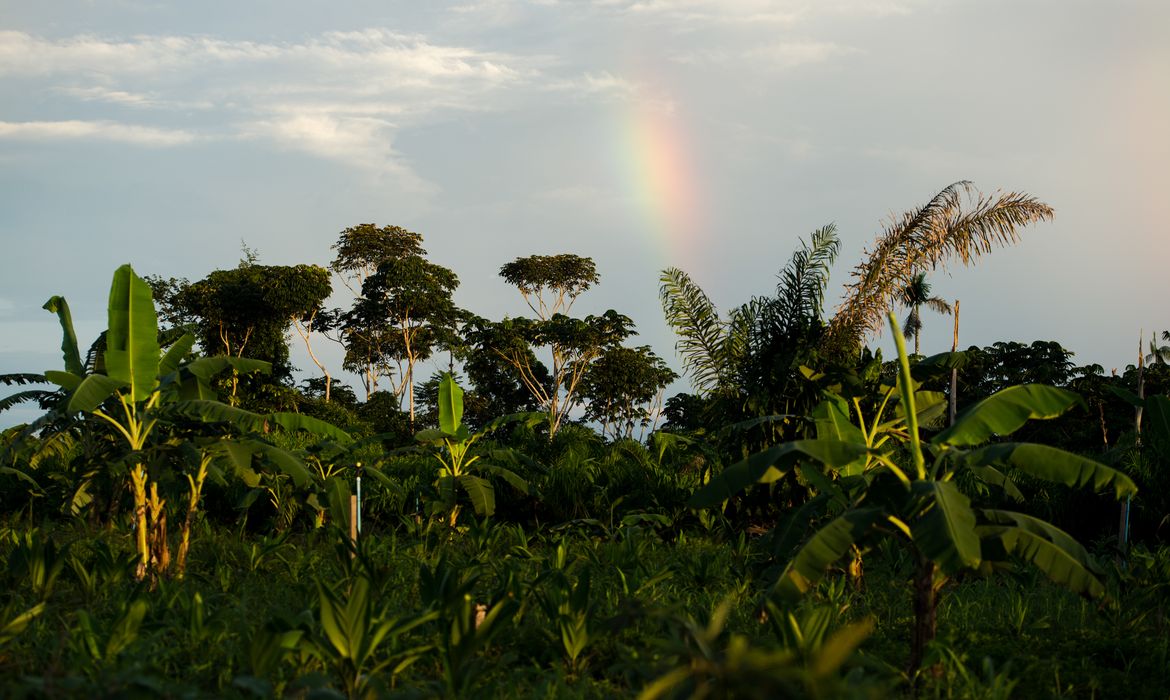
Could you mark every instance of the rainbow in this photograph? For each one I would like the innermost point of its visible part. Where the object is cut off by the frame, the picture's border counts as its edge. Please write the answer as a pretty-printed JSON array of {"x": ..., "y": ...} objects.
[{"x": 661, "y": 179}]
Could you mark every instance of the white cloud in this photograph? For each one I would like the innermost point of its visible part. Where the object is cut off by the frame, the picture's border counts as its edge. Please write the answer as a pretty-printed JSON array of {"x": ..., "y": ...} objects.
[
  {"x": 102, "y": 130},
  {"x": 337, "y": 95},
  {"x": 363, "y": 142},
  {"x": 780, "y": 55}
]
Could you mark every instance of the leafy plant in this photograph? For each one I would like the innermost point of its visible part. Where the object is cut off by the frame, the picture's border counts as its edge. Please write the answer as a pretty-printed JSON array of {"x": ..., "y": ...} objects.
[
  {"x": 920, "y": 504},
  {"x": 151, "y": 398},
  {"x": 453, "y": 444}
]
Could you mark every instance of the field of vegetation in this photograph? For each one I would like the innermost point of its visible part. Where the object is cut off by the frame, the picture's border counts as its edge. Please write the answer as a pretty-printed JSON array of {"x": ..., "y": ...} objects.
[{"x": 812, "y": 520}]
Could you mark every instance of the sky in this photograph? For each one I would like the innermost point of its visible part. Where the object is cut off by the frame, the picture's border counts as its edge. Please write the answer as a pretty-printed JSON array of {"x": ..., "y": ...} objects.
[{"x": 708, "y": 135}]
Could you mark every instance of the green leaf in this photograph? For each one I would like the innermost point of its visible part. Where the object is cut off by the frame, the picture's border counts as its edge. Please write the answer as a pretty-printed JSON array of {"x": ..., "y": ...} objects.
[
  {"x": 829, "y": 544},
  {"x": 216, "y": 412},
  {"x": 832, "y": 420},
  {"x": 207, "y": 367},
  {"x": 59, "y": 306},
  {"x": 483, "y": 496},
  {"x": 92, "y": 391},
  {"x": 771, "y": 464},
  {"x": 17, "y": 624},
  {"x": 995, "y": 477},
  {"x": 840, "y": 647},
  {"x": 175, "y": 354},
  {"x": 946, "y": 533},
  {"x": 1040, "y": 528},
  {"x": 514, "y": 480},
  {"x": 432, "y": 435},
  {"x": 1053, "y": 464},
  {"x": 1004, "y": 412},
  {"x": 1156, "y": 421},
  {"x": 66, "y": 380},
  {"x": 316, "y": 426},
  {"x": 132, "y": 351},
  {"x": 450, "y": 405},
  {"x": 332, "y": 618},
  {"x": 285, "y": 461},
  {"x": 1058, "y": 564}
]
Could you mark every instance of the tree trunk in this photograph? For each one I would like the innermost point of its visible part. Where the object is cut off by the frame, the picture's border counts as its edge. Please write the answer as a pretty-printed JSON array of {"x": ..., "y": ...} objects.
[{"x": 925, "y": 618}]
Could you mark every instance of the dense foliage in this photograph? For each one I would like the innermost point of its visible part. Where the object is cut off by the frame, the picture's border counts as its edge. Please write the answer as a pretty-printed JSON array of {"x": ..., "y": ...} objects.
[{"x": 811, "y": 522}]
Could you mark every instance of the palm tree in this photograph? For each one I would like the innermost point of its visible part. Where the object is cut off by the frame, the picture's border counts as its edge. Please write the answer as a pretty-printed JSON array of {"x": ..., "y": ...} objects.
[
  {"x": 714, "y": 350},
  {"x": 914, "y": 296},
  {"x": 941, "y": 230},
  {"x": 1159, "y": 355}
]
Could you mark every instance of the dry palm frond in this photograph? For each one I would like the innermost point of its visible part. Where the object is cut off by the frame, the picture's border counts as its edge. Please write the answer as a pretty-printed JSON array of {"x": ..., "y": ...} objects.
[{"x": 921, "y": 239}]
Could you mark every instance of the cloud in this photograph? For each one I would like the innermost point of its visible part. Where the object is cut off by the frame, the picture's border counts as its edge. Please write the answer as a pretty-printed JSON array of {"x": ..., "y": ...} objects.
[
  {"x": 781, "y": 55},
  {"x": 363, "y": 142},
  {"x": 101, "y": 130},
  {"x": 337, "y": 95}
]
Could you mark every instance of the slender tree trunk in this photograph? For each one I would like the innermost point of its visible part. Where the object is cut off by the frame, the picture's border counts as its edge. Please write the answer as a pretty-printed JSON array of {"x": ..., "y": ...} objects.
[
  {"x": 953, "y": 400},
  {"x": 1123, "y": 521},
  {"x": 925, "y": 617}
]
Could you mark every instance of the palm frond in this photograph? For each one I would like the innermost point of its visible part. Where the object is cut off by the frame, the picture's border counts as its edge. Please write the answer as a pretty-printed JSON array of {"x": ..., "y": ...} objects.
[
  {"x": 22, "y": 378},
  {"x": 800, "y": 293},
  {"x": 920, "y": 240},
  {"x": 23, "y": 397},
  {"x": 938, "y": 305},
  {"x": 701, "y": 332}
]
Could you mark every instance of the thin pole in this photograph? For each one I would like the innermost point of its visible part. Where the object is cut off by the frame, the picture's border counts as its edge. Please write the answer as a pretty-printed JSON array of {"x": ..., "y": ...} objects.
[
  {"x": 1123, "y": 525},
  {"x": 953, "y": 402},
  {"x": 359, "y": 497}
]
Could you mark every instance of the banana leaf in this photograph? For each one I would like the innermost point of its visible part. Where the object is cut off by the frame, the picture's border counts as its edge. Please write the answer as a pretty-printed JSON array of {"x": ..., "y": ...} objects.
[
  {"x": 1053, "y": 464},
  {"x": 1006, "y": 411}
]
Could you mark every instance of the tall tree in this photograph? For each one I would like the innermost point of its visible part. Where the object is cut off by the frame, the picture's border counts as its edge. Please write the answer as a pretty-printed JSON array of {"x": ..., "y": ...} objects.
[
  {"x": 915, "y": 295},
  {"x": 415, "y": 297},
  {"x": 758, "y": 342},
  {"x": 370, "y": 338},
  {"x": 941, "y": 230},
  {"x": 623, "y": 388},
  {"x": 550, "y": 285},
  {"x": 362, "y": 248},
  {"x": 248, "y": 309}
]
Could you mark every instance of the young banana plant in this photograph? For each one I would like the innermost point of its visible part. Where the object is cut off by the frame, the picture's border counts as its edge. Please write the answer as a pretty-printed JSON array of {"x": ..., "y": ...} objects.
[
  {"x": 913, "y": 497},
  {"x": 151, "y": 398},
  {"x": 453, "y": 444}
]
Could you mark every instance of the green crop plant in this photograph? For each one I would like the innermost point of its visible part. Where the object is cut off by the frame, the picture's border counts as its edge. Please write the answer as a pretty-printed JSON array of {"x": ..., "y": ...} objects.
[
  {"x": 150, "y": 399},
  {"x": 917, "y": 502},
  {"x": 454, "y": 446}
]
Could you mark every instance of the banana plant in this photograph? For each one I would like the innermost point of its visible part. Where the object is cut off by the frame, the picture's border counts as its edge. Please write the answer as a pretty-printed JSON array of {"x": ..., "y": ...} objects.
[
  {"x": 914, "y": 498},
  {"x": 454, "y": 445},
  {"x": 149, "y": 398}
]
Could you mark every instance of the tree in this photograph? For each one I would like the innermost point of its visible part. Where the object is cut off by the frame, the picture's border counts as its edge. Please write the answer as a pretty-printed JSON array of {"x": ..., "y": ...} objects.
[
  {"x": 393, "y": 283},
  {"x": 1159, "y": 354},
  {"x": 411, "y": 296},
  {"x": 623, "y": 387},
  {"x": 717, "y": 352},
  {"x": 919, "y": 240},
  {"x": 749, "y": 364},
  {"x": 574, "y": 344},
  {"x": 362, "y": 248},
  {"x": 553, "y": 282},
  {"x": 915, "y": 295},
  {"x": 248, "y": 309},
  {"x": 550, "y": 285}
]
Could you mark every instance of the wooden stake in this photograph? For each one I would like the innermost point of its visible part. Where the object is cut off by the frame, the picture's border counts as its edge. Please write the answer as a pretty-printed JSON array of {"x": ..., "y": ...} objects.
[{"x": 353, "y": 532}]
